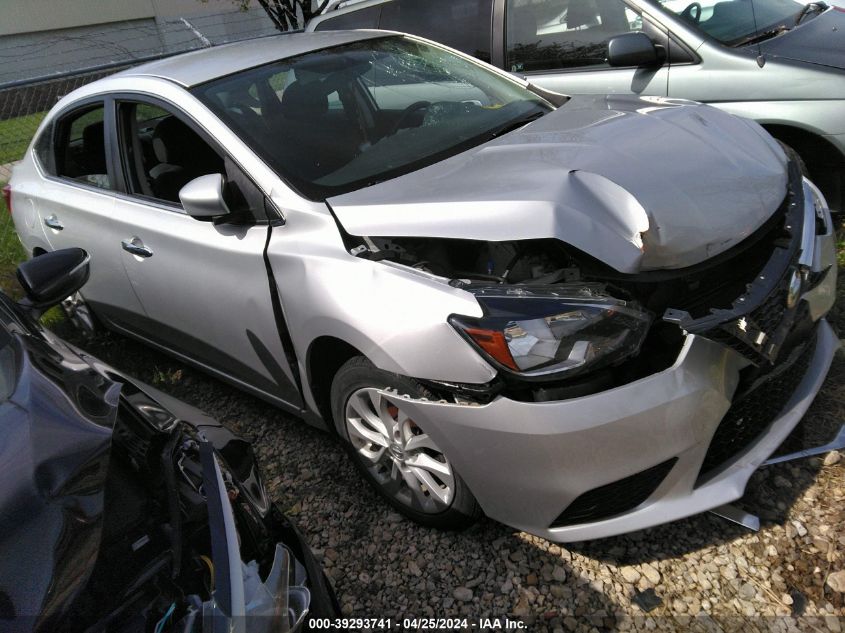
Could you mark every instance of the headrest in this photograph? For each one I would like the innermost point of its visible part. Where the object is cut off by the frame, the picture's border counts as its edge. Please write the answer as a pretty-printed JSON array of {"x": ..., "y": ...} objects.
[
  {"x": 93, "y": 137},
  {"x": 172, "y": 140},
  {"x": 304, "y": 100},
  {"x": 581, "y": 13}
]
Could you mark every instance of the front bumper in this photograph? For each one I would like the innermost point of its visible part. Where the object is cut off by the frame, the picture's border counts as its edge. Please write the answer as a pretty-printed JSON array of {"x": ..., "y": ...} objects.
[{"x": 526, "y": 462}]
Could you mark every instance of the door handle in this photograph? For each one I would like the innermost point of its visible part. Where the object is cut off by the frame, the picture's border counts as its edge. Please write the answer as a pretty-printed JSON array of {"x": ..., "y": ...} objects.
[
  {"x": 135, "y": 246},
  {"x": 53, "y": 222}
]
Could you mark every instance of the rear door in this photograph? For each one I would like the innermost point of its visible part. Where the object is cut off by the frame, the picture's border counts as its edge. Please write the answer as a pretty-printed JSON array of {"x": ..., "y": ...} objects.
[
  {"x": 561, "y": 45},
  {"x": 76, "y": 202},
  {"x": 203, "y": 284}
]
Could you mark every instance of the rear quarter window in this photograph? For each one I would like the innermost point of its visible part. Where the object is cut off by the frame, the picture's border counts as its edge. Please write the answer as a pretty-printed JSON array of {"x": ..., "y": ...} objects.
[{"x": 75, "y": 148}]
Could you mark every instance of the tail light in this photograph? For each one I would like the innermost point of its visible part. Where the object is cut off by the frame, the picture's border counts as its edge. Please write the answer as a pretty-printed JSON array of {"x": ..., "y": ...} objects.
[{"x": 7, "y": 197}]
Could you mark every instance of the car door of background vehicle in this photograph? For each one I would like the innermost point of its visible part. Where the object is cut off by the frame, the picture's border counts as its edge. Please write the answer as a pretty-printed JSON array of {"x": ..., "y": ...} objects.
[
  {"x": 75, "y": 202},
  {"x": 203, "y": 285},
  {"x": 561, "y": 45}
]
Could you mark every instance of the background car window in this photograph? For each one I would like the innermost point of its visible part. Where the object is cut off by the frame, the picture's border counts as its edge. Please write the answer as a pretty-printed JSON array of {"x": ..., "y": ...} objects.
[
  {"x": 366, "y": 18},
  {"x": 562, "y": 34},
  {"x": 462, "y": 24},
  {"x": 80, "y": 150},
  {"x": 732, "y": 21},
  {"x": 163, "y": 154}
]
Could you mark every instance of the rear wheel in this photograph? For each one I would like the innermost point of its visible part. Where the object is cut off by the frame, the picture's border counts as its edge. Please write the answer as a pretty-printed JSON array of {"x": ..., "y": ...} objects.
[{"x": 394, "y": 453}]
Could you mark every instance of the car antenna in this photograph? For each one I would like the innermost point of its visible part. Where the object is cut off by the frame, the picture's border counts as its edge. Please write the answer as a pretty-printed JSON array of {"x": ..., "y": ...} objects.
[{"x": 761, "y": 59}]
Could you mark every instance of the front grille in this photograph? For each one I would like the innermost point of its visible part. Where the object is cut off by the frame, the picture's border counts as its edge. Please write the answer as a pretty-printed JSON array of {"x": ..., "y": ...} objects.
[
  {"x": 753, "y": 411},
  {"x": 759, "y": 319},
  {"x": 614, "y": 498}
]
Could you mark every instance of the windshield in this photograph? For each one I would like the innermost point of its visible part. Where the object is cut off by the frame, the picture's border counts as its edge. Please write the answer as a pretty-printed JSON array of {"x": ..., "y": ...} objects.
[
  {"x": 339, "y": 119},
  {"x": 734, "y": 22}
]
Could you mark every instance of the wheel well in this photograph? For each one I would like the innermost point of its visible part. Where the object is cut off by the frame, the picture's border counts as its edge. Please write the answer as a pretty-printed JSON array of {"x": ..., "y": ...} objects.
[
  {"x": 823, "y": 160},
  {"x": 325, "y": 356}
]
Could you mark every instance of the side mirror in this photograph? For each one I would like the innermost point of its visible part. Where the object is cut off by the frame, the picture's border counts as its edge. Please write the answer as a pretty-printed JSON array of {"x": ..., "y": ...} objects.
[
  {"x": 52, "y": 277},
  {"x": 633, "y": 49},
  {"x": 202, "y": 198}
]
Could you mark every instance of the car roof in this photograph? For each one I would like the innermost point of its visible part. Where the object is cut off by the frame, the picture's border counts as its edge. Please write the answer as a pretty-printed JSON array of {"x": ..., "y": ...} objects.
[{"x": 196, "y": 67}]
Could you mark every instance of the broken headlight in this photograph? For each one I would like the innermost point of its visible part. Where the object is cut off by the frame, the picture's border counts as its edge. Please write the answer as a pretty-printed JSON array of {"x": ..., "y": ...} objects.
[{"x": 564, "y": 329}]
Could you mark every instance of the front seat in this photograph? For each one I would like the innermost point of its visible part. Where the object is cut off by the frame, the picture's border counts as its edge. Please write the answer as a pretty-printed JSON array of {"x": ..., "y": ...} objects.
[
  {"x": 182, "y": 156},
  {"x": 94, "y": 149},
  {"x": 321, "y": 143}
]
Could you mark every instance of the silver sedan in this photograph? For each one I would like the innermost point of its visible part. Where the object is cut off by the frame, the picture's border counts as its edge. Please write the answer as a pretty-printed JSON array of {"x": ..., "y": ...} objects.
[{"x": 580, "y": 316}]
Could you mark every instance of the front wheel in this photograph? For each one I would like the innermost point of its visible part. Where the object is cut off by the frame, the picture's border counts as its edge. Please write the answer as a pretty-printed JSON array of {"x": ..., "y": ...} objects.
[{"x": 394, "y": 454}]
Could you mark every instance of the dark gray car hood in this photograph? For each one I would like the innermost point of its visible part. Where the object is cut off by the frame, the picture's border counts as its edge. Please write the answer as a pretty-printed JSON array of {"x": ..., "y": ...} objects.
[
  {"x": 820, "y": 40},
  {"x": 637, "y": 183}
]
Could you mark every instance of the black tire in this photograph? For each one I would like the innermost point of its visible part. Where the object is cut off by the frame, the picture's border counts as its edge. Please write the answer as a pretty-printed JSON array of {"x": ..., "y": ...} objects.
[
  {"x": 795, "y": 157},
  {"x": 358, "y": 373}
]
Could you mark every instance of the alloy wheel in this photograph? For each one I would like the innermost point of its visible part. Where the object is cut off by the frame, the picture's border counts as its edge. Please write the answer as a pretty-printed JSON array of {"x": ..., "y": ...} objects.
[{"x": 399, "y": 455}]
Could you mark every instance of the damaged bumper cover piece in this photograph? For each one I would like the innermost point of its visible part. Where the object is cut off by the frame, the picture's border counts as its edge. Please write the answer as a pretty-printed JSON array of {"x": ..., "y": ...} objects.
[
  {"x": 759, "y": 321},
  {"x": 667, "y": 446}
]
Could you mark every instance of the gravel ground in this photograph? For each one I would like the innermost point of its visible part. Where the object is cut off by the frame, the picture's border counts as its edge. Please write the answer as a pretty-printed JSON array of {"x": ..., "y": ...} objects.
[{"x": 701, "y": 574}]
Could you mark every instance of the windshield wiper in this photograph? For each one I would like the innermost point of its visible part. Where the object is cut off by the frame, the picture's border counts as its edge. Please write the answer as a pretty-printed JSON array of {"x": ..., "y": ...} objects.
[
  {"x": 510, "y": 126},
  {"x": 765, "y": 35},
  {"x": 811, "y": 7}
]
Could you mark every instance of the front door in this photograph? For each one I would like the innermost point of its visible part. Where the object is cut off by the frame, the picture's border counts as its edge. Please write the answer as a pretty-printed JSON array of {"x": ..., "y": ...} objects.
[
  {"x": 203, "y": 284},
  {"x": 561, "y": 45}
]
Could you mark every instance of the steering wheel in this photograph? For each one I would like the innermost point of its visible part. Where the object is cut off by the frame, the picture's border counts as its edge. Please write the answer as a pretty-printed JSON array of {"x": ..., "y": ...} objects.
[
  {"x": 406, "y": 114},
  {"x": 688, "y": 15}
]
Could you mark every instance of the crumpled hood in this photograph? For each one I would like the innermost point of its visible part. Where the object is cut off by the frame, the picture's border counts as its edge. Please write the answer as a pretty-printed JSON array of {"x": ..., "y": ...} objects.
[
  {"x": 639, "y": 183},
  {"x": 820, "y": 40}
]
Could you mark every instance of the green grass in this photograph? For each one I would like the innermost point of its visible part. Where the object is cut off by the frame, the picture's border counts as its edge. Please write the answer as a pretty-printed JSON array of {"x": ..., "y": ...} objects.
[
  {"x": 11, "y": 251},
  {"x": 15, "y": 135}
]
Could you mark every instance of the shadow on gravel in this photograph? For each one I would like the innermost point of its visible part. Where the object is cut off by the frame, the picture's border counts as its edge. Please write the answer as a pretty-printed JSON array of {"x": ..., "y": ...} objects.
[{"x": 381, "y": 564}]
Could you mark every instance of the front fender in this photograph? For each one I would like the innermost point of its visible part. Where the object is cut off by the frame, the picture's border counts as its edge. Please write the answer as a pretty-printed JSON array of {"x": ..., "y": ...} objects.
[{"x": 395, "y": 316}]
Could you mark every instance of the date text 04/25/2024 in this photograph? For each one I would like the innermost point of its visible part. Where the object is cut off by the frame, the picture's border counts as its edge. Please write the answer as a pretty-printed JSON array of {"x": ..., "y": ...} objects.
[{"x": 418, "y": 624}]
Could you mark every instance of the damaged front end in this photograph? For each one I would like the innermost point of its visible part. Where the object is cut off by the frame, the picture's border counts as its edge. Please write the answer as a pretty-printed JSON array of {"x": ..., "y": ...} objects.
[{"x": 558, "y": 323}]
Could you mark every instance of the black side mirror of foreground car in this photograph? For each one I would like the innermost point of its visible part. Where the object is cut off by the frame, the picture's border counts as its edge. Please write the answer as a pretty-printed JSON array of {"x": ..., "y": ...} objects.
[
  {"x": 634, "y": 49},
  {"x": 50, "y": 278}
]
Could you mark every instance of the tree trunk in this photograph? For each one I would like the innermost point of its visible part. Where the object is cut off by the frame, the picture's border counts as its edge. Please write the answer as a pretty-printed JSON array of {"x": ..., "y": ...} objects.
[{"x": 290, "y": 15}]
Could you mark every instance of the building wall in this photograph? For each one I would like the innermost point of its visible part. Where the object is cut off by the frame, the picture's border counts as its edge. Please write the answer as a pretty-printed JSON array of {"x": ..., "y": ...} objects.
[
  {"x": 28, "y": 16},
  {"x": 51, "y": 37}
]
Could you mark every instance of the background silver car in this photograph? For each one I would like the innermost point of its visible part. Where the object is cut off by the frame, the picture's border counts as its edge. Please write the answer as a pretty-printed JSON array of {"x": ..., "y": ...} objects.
[
  {"x": 779, "y": 62},
  {"x": 502, "y": 299}
]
